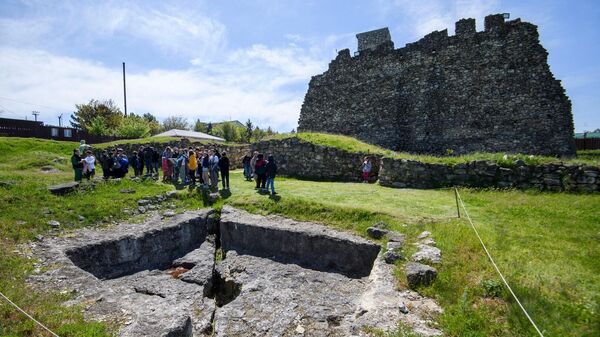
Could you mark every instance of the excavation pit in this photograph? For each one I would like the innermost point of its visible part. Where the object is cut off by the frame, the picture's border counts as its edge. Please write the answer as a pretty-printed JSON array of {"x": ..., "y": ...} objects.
[{"x": 276, "y": 277}]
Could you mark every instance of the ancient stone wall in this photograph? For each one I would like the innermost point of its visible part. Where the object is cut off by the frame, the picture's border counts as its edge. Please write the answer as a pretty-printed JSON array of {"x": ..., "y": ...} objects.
[
  {"x": 403, "y": 173},
  {"x": 476, "y": 91},
  {"x": 300, "y": 159},
  {"x": 371, "y": 40}
]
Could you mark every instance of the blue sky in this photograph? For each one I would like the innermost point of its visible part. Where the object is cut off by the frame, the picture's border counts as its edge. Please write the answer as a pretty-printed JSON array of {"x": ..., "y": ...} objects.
[{"x": 220, "y": 60}]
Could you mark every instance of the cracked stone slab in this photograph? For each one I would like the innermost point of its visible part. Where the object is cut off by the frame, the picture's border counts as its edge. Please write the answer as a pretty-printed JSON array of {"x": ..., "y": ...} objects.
[{"x": 144, "y": 299}]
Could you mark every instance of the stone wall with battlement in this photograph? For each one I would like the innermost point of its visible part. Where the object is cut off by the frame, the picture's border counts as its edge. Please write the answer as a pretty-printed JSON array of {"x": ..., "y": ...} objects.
[{"x": 486, "y": 91}]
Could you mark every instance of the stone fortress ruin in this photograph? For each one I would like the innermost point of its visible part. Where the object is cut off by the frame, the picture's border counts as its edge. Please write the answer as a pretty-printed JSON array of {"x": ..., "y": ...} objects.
[{"x": 489, "y": 91}]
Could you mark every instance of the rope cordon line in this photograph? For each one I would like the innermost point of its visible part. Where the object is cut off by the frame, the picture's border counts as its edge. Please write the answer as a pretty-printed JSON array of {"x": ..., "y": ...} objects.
[
  {"x": 28, "y": 315},
  {"x": 495, "y": 266}
]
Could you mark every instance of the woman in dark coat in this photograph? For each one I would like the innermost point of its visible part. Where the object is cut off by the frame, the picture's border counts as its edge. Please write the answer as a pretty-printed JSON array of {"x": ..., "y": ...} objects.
[
  {"x": 77, "y": 165},
  {"x": 224, "y": 167},
  {"x": 271, "y": 173}
]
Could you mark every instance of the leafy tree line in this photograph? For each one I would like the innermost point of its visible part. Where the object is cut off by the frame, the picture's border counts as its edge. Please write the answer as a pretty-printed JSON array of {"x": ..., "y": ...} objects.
[
  {"x": 105, "y": 118},
  {"x": 234, "y": 131}
]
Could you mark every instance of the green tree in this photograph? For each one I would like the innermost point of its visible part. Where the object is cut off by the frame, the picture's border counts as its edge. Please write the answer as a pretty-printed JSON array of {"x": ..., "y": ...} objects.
[
  {"x": 229, "y": 132},
  {"x": 107, "y": 110},
  {"x": 153, "y": 123},
  {"x": 248, "y": 133},
  {"x": 97, "y": 127},
  {"x": 258, "y": 134},
  {"x": 199, "y": 126},
  {"x": 209, "y": 128},
  {"x": 175, "y": 122},
  {"x": 134, "y": 126}
]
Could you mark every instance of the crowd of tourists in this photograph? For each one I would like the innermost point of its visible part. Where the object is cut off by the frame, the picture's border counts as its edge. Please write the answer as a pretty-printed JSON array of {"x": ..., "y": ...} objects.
[{"x": 185, "y": 165}]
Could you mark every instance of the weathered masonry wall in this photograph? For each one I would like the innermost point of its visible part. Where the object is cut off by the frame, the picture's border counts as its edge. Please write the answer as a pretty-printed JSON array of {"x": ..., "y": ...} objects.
[
  {"x": 403, "y": 173},
  {"x": 300, "y": 159},
  {"x": 486, "y": 91}
]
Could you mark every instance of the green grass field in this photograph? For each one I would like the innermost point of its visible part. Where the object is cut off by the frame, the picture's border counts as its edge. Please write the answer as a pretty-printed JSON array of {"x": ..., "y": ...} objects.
[{"x": 547, "y": 244}]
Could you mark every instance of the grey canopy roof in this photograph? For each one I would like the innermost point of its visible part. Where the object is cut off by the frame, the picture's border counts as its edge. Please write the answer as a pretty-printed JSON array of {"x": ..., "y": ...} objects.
[{"x": 188, "y": 134}]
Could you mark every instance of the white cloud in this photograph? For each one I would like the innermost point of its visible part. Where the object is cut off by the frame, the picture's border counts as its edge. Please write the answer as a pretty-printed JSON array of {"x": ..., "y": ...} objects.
[
  {"x": 174, "y": 30},
  {"x": 253, "y": 83}
]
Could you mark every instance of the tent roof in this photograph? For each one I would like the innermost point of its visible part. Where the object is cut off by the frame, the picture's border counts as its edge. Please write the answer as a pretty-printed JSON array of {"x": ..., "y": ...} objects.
[{"x": 188, "y": 134}]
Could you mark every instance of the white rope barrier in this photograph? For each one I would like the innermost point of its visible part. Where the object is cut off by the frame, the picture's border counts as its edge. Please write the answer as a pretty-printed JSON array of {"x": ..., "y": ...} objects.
[
  {"x": 495, "y": 266},
  {"x": 28, "y": 315}
]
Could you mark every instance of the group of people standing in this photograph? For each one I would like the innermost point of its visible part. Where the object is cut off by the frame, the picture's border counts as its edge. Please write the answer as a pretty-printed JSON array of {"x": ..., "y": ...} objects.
[
  {"x": 178, "y": 165},
  {"x": 195, "y": 164},
  {"x": 261, "y": 170}
]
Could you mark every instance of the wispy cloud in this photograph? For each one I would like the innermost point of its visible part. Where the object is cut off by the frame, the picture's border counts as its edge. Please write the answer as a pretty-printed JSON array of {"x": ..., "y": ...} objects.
[
  {"x": 424, "y": 16},
  {"x": 265, "y": 85}
]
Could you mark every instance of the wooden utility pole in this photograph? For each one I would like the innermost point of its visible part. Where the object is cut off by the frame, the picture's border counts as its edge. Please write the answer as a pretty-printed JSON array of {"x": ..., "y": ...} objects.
[{"x": 124, "y": 90}]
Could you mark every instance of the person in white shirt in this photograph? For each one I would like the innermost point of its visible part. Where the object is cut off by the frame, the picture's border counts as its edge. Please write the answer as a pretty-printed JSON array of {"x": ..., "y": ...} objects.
[
  {"x": 89, "y": 165},
  {"x": 213, "y": 162}
]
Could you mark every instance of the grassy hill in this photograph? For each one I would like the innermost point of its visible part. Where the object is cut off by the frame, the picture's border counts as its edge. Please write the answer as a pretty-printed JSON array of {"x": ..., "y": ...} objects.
[{"x": 545, "y": 243}]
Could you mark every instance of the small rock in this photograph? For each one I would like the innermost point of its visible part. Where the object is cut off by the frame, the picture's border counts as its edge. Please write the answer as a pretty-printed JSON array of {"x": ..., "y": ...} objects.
[
  {"x": 143, "y": 202},
  {"x": 396, "y": 236},
  {"x": 427, "y": 254},
  {"x": 170, "y": 194},
  {"x": 142, "y": 209},
  {"x": 39, "y": 237},
  {"x": 159, "y": 198},
  {"x": 65, "y": 188},
  {"x": 429, "y": 242},
  {"x": 418, "y": 274},
  {"x": 169, "y": 214},
  {"x": 300, "y": 329},
  {"x": 403, "y": 308},
  {"x": 21, "y": 222},
  {"x": 151, "y": 207},
  {"x": 54, "y": 223},
  {"x": 81, "y": 218},
  {"x": 126, "y": 211},
  {"x": 423, "y": 235},
  {"x": 381, "y": 225},
  {"x": 127, "y": 191},
  {"x": 376, "y": 233},
  {"x": 46, "y": 211},
  {"x": 391, "y": 256},
  {"x": 394, "y": 245}
]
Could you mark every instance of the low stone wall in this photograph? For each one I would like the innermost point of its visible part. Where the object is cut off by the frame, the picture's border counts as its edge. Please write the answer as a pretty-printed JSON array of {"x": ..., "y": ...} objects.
[
  {"x": 403, "y": 173},
  {"x": 301, "y": 159},
  {"x": 234, "y": 152}
]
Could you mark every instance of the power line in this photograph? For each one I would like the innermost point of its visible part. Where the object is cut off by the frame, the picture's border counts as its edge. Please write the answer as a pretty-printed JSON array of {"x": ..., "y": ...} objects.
[{"x": 29, "y": 103}]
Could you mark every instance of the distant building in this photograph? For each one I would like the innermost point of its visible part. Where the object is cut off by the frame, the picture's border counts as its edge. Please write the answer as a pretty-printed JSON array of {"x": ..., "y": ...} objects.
[
  {"x": 33, "y": 129},
  {"x": 587, "y": 140},
  {"x": 24, "y": 128}
]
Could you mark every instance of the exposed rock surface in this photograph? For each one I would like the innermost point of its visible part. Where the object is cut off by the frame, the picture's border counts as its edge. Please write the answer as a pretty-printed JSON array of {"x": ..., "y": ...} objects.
[
  {"x": 309, "y": 245},
  {"x": 278, "y": 277}
]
